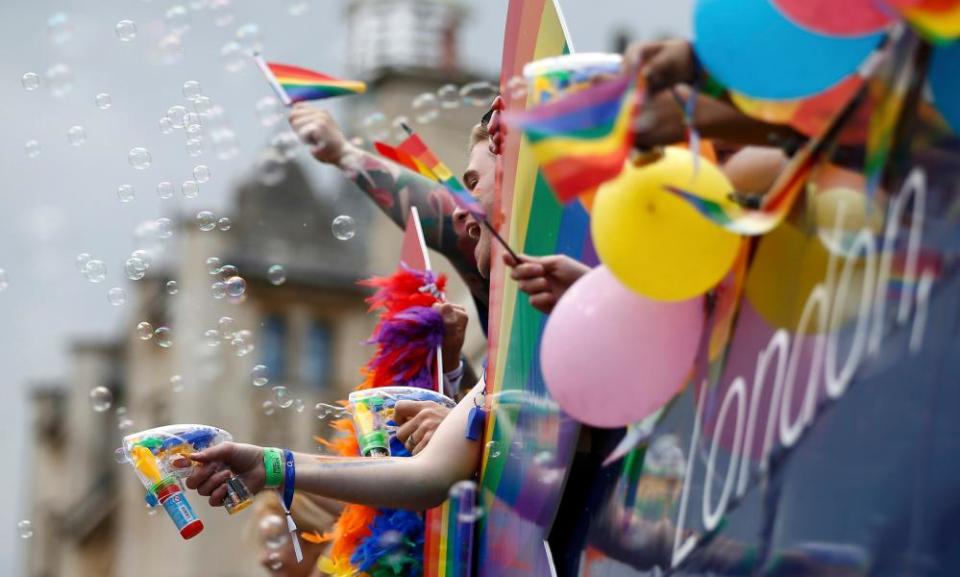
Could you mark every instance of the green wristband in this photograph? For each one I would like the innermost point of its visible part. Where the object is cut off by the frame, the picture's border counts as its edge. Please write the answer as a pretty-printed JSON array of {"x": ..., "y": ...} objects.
[{"x": 273, "y": 464}]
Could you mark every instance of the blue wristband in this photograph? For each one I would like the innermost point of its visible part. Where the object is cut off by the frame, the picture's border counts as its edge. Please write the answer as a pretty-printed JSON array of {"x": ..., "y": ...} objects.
[{"x": 289, "y": 477}]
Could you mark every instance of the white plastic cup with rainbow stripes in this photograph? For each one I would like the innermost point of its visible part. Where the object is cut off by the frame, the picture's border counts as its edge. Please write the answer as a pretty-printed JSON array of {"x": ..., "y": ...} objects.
[{"x": 557, "y": 76}]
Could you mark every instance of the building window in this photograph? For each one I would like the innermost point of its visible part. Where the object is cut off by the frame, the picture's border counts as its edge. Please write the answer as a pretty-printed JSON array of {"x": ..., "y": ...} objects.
[
  {"x": 315, "y": 364},
  {"x": 273, "y": 346}
]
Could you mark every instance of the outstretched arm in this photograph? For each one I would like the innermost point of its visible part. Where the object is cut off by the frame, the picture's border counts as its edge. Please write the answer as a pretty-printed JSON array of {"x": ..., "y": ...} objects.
[
  {"x": 394, "y": 189},
  {"x": 417, "y": 483}
]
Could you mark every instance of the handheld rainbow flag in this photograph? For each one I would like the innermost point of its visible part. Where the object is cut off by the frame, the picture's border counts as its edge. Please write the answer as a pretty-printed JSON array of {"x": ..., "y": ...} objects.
[
  {"x": 294, "y": 84},
  {"x": 582, "y": 140},
  {"x": 403, "y": 159},
  {"x": 417, "y": 149}
]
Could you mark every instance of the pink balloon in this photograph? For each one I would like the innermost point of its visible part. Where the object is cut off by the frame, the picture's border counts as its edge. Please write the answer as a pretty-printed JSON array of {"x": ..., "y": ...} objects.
[{"x": 610, "y": 357}]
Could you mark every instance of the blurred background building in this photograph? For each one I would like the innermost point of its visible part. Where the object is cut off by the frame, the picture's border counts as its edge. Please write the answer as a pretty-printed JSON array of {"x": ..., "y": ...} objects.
[{"x": 88, "y": 511}]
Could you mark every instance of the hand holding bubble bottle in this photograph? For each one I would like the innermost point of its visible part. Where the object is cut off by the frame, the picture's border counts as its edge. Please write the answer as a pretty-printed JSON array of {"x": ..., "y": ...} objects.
[{"x": 153, "y": 454}]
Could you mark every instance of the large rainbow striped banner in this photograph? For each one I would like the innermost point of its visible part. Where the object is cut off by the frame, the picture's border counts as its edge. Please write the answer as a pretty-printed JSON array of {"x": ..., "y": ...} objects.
[{"x": 525, "y": 426}]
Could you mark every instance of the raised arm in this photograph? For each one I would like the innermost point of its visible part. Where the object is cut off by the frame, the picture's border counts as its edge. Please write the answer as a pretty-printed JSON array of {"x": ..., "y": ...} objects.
[
  {"x": 417, "y": 483},
  {"x": 394, "y": 189}
]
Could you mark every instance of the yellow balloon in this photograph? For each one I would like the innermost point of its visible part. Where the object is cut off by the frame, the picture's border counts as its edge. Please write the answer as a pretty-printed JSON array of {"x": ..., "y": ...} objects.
[{"x": 653, "y": 241}]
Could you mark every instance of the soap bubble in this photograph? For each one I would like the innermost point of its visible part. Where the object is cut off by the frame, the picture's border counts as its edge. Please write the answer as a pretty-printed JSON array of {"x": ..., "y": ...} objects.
[
  {"x": 223, "y": 15},
  {"x": 286, "y": 144},
  {"x": 213, "y": 265},
  {"x": 163, "y": 228},
  {"x": 249, "y": 37},
  {"x": 233, "y": 57},
  {"x": 219, "y": 290},
  {"x": 224, "y": 224},
  {"x": 4, "y": 283},
  {"x": 298, "y": 8},
  {"x": 203, "y": 105},
  {"x": 59, "y": 28},
  {"x": 139, "y": 158},
  {"x": 426, "y": 107},
  {"x": 25, "y": 529},
  {"x": 212, "y": 337},
  {"x": 281, "y": 396},
  {"x": 259, "y": 375},
  {"x": 117, "y": 296},
  {"x": 236, "y": 286},
  {"x": 95, "y": 271},
  {"x": 206, "y": 220},
  {"x": 299, "y": 405},
  {"x": 144, "y": 331},
  {"x": 270, "y": 168},
  {"x": 143, "y": 255},
  {"x": 194, "y": 147},
  {"x": 162, "y": 337},
  {"x": 324, "y": 410},
  {"x": 171, "y": 287},
  {"x": 225, "y": 324},
  {"x": 493, "y": 449},
  {"x": 135, "y": 268},
  {"x": 517, "y": 88},
  {"x": 170, "y": 49},
  {"x": 166, "y": 125},
  {"x": 276, "y": 275},
  {"x": 464, "y": 493},
  {"x": 32, "y": 148},
  {"x": 398, "y": 123},
  {"x": 273, "y": 531},
  {"x": 177, "y": 19},
  {"x": 449, "y": 96},
  {"x": 177, "y": 114},
  {"x": 274, "y": 561},
  {"x": 30, "y": 81},
  {"x": 124, "y": 423},
  {"x": 191, "y": 89},
  {"x": 59, "y": 80},
  {"x": 269, "y": 111},
  {"x": 176, "y": 383},
  {"x": 478, "y": 93},
  {"x": 343, "y": 227},
  {"x": 119, "y": 456},
  {"x": 375, "y": 126},
  {"x": 165, "y": 189},
  {"x": 227, "y": 271},
  {"x": 268, "y": 408},
  {"x": 125, "y": 193},
  {"x": 126, "y": 30},
  {"x": 100, "y": 399},
  {"x": 201, "y": 173},
  {"x": 81, "y": 261},
  {"x": 190, "y": 189},
  {"x": 103, "y": 101},
  {"x": 76, "y": 135},
  {"x": 192, "y": 120}
]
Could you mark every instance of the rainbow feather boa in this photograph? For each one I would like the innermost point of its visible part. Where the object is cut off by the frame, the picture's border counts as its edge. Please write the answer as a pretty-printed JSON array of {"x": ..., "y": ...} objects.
[{"x": 369, "y": 542}]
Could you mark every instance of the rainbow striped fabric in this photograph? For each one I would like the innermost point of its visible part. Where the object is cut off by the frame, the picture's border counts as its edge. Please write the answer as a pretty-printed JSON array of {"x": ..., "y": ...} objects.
[
  {"x": 583, "y": 139},
  {"x": 300, "y": 84},
  {"x": 417, "y": 149}
]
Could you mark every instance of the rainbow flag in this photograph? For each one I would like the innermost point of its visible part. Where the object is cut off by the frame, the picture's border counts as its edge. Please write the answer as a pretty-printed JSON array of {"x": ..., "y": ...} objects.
[
  {"x": 777, "y": 203},
  {"x": 581, "y": 140},
  {"x": 294, "y": 84},
  {"x": 403, "y": 159},
  {"x": 417, "y": 149}
]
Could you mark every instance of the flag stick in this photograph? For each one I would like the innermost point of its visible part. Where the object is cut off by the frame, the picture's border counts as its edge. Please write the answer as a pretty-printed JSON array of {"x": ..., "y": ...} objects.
[{"x": 271, "y": 79}]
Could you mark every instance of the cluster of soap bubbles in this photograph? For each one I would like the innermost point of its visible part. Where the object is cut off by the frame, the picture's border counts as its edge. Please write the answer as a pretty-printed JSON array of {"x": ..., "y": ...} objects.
[
  {"x": 325, "y": 411},
  {"x": 240, "y": 341},
  {"x": 284, "y": 144},
  {"x": 93, "y": 269},
  {"x": 235, "y": 54},
  {"x": 137, "y": 264},
  {"x": 205, "y": 126},
  {"x": 228, "y": 281},
  {"x": 124, "y": 422},
  {"x": 427, "y": 107}
]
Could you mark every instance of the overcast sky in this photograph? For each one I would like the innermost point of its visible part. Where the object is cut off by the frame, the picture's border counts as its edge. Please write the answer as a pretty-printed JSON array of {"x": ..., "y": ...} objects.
[{"x": 64, "y": 201}]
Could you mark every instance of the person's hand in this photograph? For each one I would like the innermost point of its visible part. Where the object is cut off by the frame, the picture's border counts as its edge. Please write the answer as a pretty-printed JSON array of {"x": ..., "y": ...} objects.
[
  {"x": 663, "y": 63},
  {"x": 496, "y": 127},
  {"x": 545, "y": 278},
  {"x": 417, "y": 421},
  {"x": 454, "y": 332},
  {"x": 219, "y": 463},
  {"x": 317, "y": 128},
  {"x": 661, "y": 120}
]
